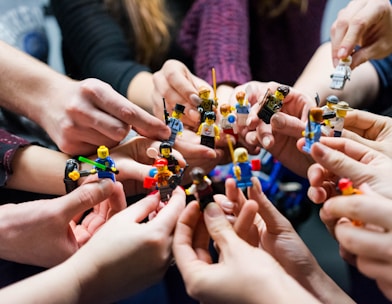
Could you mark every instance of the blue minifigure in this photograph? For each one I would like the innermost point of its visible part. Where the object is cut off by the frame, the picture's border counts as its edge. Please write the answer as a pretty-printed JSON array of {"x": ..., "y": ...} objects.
[
  {"x": 312, "y": 132},
  {"x": 175, "y": 124},
  {"x": 242, "y": 108},
  {"x": 242, "y": 167},
  {"x": 105, "y": 160}
]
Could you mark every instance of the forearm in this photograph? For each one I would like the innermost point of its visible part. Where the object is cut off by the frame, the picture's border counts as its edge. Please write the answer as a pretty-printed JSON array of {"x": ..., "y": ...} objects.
[{"x": 359, "y": 92}]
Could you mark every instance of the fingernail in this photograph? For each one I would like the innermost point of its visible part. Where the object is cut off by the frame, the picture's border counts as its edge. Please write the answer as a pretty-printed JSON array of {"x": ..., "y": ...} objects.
[
  {"x": 266, "y": 142},
  {"x": 342, "y": 53},
  {"x": 228, "y": 205},
  {"x": 213, "y": 210},
  {"x": 195, "y": 99}
]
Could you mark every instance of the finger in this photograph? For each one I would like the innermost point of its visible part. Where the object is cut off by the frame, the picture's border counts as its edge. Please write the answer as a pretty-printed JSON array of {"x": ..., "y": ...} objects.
[
  {"x": 183, "y": 251},
  {"x": 166, "y": 218},
  {"x": 245, "y": 220},
  {"x": 234, "y": 194},
  {"x": 139, "y": 211},
  {"x": 84, "y": 198},
  {"x": 287, "y": 125},
  {"x": 271, "y": 216},
  {"x": 368, "y": 207},
  {"x": 219, "y": 228},
  {"x": 345, "y": 163}
]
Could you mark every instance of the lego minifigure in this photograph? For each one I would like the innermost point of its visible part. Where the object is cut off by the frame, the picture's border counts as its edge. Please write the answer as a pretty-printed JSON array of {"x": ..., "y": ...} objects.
[
  {"x": 242, "y": 167},
  {"x": 272, "y": 103},
  {"x": 208, "y": 130},
  {"x": 341, "y": 74},
  {"x": 165, "y": 151},
  {"x": 161, "y": 179},
  {"x": 174, "y": 122},
  {"x": 341, "y": 111},
  {"x": 105, "y": 160},
  {"x": 207, "y": 104},
  {"x": 312, "y": 131},
  {"x": 228, "y": 120},
  {"x": 345, "y": 186},
  {"x": 201, "y": 187},
  {"x": 242, "y": 108},
  {"x": 329, "y": 114}
]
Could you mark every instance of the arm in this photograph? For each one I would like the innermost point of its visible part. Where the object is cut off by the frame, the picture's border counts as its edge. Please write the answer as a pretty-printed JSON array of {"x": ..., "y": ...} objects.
[
  {"x": 360, "y": 92},
  {"x": 97, "y": 47}
]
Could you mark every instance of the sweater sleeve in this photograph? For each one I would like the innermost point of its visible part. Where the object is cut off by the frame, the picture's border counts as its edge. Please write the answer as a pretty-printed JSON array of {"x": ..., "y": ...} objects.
[
  {"x": 9, "y": 144},
  {"x": 215, "y": 34},
  {"x": 95, "y": 43},
  {"x": 384, "y": 71}
]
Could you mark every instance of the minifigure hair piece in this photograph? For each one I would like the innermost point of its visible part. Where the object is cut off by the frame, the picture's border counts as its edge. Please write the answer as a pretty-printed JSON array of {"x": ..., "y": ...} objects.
[
  {"x": 210, "y": 115},
  {"x": 240, "y": 95},
  {"x": 225, "y": 108},
  {"x": 317, "y": 114},
  {"x": 197, "y": 174},
  {"x": 165, "y": 145},
  {"x": 285, "y": 90}
]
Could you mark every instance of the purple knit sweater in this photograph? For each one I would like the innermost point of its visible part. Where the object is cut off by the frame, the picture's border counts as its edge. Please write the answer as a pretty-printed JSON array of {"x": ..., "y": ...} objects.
[{"x": 242, "y": 46}]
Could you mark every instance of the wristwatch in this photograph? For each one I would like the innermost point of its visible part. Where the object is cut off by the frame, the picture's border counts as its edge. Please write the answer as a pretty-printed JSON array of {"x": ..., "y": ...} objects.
[{"x": 70, "y": 165}]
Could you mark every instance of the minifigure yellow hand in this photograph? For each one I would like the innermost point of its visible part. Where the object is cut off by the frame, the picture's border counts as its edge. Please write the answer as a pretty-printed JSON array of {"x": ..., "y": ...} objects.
[{"x": 74, "y": 175}]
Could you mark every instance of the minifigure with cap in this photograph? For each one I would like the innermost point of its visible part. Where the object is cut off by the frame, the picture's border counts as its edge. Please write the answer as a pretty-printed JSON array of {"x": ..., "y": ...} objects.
[
  {"x": 175, "y": 124},
  {"x": 329, "y": 114},
  {"x": 341, "y": 110}
]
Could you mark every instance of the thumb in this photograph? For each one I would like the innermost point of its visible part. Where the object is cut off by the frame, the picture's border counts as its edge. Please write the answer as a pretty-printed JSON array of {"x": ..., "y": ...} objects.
[
  {"x": 219, "y": 227},
  {"x": 85, "y": 197}
]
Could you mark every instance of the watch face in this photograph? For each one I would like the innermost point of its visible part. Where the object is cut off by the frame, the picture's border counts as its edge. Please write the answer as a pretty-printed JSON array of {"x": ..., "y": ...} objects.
[{"x": 23, "y": 27}]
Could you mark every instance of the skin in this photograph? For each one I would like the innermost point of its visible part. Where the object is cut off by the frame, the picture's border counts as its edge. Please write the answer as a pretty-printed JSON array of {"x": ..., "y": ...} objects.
[
  {"x": 47, "y": 232},
  {"x": 267, "y": 235},
  {"x": 97, "y": 273},
  {"x": 370, "y": 242},
  {"x": 79, "y": 115},
  {"x": 364, "y": 23}
]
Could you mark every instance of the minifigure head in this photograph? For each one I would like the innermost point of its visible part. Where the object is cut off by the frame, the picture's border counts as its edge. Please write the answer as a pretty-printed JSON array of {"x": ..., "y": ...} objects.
[
  {"x": 161, "y": 164},
  {"x": 342, "y": 108},
  {"x": 240, "y": 96},
  {"x": 281, "y": 92},
  {"x": 332, "y": 100},
  {"x": 240, "y": 155},
  {"x": 178, "y": 111},
  {"x": 204, "y": 92},
  {"x": 210, "y": 117},
  {"x": 197, "y": 174},
  {"x": 165, "y": 149},
  {"x": 102, "y": 152},
  {"x": 347, "y": 61},
  {"x": 225, "y": 109},
  {"x": 345, "y": 186},
  {"x": 316, "y": 115}
]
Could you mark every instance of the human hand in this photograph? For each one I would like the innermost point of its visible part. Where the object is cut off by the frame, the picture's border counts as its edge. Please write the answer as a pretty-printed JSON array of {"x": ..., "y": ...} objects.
[
  {"x": 128, "y": 254},
  {"x": 47, "y": 232},
  {"x": 342, "y": 157},
  {"x": 280, "y": 137},
  {"x": 177, "y": 84},
  {"x": 364, "y": 23},
  {"x": 368, "y": 243},
  {"x": 240, "y": 267},
  {"x": 372, "y": 130},
  {"x": 90, "y": 113}
]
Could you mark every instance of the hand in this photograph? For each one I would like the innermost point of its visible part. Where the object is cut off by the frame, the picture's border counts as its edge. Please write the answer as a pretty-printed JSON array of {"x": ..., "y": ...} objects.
[
  {"x": 370, "y": 242},
  {"x": 372, "y": 130},
  {"x": 280, "y": 137},
  {"x": 277, "y": 237},
  {"x": 47, "y": 232},
  {"x": 177, "y": 84},
  {"x": 240, "y": 267},
  {"x": 90, "y": 113},
  {"x": 128, "y": 254},
  {"x": 342, "y": 157},
  {"x": 364, "y": 23}
]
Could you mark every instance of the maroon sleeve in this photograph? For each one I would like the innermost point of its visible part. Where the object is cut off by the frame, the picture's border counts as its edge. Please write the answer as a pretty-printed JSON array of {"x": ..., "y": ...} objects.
[
  {"x": 216, "y": 34},
  {"x": 8, "y": 145}
]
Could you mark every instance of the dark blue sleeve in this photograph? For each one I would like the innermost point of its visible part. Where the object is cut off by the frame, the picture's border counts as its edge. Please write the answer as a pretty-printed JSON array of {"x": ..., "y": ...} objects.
[{"x": 383, "y": 104}]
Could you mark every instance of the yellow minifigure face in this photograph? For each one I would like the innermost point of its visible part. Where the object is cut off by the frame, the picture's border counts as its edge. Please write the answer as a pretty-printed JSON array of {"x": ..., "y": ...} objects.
[
  {"x": 165, "y": 152},
  {"x": 177, "y": 115},
  {"x": 341, "y": 113},
  {"x": 279, "y": 95},
  {"x": 225, "y": 113},
  {"x": 240, "y": 101},
  {"x": 209, "y": 121},
  {"x": 102, "y": 152}
]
